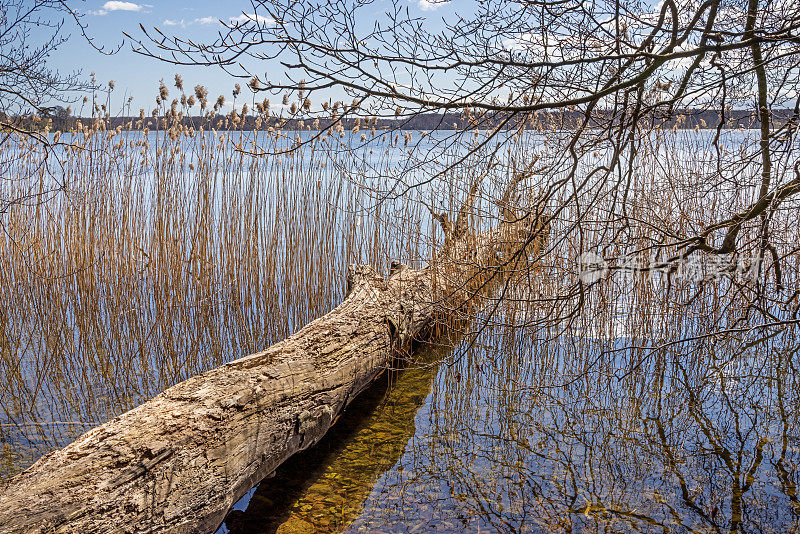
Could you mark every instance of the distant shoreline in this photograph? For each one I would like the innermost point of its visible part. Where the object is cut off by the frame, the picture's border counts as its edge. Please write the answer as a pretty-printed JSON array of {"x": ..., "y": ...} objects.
[{"x": 690, "y": 119}]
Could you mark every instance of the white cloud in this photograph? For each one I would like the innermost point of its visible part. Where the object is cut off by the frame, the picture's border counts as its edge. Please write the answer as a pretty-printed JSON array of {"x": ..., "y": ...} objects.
[
  {"x": 252, "y": 17},
  {"x": 208, "y": 21},
  {"x": 117, "y": 5},
  {"x": 430, "y": 5}
]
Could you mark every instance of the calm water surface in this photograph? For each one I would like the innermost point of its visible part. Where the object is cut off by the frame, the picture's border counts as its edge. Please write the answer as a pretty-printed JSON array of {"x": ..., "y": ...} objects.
[
  {"x": 502, "y": 444},
  {"x": 603, "y": 426}
]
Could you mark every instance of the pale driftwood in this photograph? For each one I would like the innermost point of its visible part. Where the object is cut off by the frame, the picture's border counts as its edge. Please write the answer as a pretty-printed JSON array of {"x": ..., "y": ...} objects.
[{"x": 179, "y": 461}]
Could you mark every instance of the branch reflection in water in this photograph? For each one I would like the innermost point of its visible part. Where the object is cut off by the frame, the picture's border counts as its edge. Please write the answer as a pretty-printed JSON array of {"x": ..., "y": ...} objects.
[{"x": 700, "y": 437}]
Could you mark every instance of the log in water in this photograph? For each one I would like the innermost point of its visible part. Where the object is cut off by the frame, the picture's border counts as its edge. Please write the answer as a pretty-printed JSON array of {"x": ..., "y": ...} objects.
[{"x": 179, "y": 461}]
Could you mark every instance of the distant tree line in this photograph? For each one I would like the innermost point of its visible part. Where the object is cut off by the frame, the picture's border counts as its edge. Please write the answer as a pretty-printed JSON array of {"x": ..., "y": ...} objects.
[{"x": 58, "y": 118}]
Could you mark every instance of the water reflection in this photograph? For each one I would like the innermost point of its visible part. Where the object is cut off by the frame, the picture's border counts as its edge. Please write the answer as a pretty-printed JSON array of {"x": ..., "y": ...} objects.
[
  {"x": 708, "y": 445},
  {"x": 701, "y": 439}
]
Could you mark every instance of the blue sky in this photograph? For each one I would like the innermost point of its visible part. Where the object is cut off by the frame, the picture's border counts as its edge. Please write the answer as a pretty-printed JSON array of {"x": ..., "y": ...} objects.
[{"x": 138, "y": 76}]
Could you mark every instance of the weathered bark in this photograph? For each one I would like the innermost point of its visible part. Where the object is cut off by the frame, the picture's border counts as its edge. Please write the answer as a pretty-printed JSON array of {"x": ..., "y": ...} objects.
[{"x": 179, "y": 461}]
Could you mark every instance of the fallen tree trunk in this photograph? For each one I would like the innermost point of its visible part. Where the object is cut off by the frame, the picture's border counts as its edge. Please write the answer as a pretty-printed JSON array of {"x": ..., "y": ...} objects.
[{"x": 179, "y": 461}]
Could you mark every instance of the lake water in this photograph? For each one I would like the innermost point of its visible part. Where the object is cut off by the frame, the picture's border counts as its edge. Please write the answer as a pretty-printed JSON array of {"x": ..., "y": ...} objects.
[
  {"x": 604, "y": 423},
  {"x": 503, "y": 445}
]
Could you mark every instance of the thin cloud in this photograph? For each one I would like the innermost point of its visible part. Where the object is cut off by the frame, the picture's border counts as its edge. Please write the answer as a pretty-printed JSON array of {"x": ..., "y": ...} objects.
[
  {"x": 252, "y": 17},
  {"x": 208, "y": 21},
  {"x": 430, "y": 5}
]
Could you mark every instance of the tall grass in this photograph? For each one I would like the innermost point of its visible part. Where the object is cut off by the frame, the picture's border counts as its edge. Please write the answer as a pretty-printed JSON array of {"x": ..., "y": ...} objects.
[{"x": 133, "y": 259}]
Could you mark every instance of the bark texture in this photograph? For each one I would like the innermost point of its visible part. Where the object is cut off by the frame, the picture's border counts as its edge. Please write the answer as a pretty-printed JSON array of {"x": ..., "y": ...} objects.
[{"x": 179, "y": 461}]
